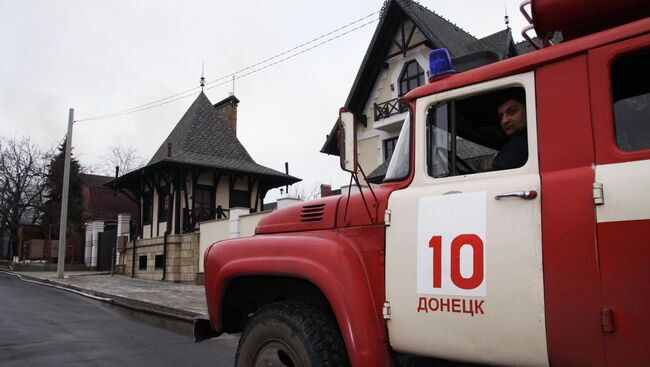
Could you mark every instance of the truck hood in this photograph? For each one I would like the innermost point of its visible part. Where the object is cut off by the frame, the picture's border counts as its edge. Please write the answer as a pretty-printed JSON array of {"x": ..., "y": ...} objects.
[
  {"x": 329, "y": 212},
  {"x": 308, "y": 216}
]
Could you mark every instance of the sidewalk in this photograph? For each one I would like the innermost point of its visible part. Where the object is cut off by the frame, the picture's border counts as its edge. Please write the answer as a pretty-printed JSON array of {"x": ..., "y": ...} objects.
[{"x": 177, "y": 300}]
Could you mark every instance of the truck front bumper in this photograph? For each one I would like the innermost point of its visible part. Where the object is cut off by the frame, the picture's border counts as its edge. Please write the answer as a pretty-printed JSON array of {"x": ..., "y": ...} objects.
[{"x": 203, "y": 329}]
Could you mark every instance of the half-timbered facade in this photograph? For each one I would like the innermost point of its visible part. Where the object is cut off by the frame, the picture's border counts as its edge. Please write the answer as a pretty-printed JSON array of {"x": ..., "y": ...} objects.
[
  {"x": 200, "y": 172},
  {"x": 396, "y": 62}
]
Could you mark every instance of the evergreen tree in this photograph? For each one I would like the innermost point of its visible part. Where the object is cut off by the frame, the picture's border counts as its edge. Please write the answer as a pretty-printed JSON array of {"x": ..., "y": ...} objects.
[{"x": 53, "y": 195}]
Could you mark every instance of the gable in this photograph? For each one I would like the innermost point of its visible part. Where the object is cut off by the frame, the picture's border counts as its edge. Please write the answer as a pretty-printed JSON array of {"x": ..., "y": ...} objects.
[
  {"x": 406, "y": 37},
  {"x": 405, "y": 26}
]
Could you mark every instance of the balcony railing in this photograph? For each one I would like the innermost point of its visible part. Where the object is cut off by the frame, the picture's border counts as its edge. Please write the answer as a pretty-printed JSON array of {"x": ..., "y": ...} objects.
[
  {"x": 389, "y": 108},
  {"x": 193, "y": 216}
]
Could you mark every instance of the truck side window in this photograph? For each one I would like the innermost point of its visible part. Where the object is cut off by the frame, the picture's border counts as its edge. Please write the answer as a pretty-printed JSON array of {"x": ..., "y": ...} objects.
[
  {"x": 440, "y": 139},
  {"x": 400, "y": 162},
  {"x": 631, "y": 99},
  {"x": 477, "y": 134}
]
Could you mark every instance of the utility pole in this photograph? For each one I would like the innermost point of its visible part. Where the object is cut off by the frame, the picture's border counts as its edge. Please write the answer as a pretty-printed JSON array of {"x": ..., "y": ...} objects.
[{"x": 64, "y": 198}]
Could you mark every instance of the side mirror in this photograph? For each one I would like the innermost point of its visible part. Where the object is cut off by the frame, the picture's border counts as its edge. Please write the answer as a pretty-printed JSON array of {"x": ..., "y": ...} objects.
[{"x": 347, "y": 141}]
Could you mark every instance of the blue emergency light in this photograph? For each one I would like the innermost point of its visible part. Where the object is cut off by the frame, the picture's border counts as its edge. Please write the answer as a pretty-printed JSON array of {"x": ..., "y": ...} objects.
[{"x": 439, "y": 63}]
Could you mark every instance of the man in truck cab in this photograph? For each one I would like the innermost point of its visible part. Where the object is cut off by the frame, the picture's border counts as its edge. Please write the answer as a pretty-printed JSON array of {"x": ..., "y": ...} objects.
[{"x": 512, "y": 117}]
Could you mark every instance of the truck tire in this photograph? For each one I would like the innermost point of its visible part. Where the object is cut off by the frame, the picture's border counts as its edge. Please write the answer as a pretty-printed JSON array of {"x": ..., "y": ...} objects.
[{"x": 291, "y": 334}]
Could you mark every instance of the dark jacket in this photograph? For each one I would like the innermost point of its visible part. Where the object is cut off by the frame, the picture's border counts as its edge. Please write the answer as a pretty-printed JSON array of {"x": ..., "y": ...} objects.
[{"x": 513, "y": 154}]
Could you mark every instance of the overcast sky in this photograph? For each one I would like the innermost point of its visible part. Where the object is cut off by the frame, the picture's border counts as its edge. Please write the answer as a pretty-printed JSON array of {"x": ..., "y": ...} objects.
[{"x": 100, "y": 57}]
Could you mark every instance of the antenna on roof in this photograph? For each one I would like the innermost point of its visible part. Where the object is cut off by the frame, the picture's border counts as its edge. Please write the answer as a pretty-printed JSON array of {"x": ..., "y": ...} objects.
[
  {"x": 506, "y": 18},
  {"x": 232, "y": 93},
  {"x": 202, "y": 75}
]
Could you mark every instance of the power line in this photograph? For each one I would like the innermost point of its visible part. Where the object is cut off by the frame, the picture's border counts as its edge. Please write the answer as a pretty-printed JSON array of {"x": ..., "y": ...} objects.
[
  {"x": 146, "y": 106},
  {"x": 295, "y": 48},
  {"x": 234, "y": 75},
  {"x": 296, "y": 54}
]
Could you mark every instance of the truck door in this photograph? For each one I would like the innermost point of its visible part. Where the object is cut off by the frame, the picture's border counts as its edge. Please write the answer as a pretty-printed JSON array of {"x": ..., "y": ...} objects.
[
  {"x": 620, "y": 103},
  {"x": 463, "y": 249}
]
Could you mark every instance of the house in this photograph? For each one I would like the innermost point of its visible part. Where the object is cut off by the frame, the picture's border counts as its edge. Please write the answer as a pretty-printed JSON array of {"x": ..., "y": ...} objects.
[
  {"x": 395, "y": 62},
  {"x": 102, "y": 206},
  {"x": 326, "y": 190},
  {"x": 100, "y": 202},
  {"x": 200, "y": 173}
]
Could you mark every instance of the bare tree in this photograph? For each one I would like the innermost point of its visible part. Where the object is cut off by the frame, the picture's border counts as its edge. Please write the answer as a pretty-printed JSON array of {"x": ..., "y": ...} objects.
[
  {"x": 125, "y": 157},
  {"x": 304, "y": 192},
  {"x": 23, "y": 168}
]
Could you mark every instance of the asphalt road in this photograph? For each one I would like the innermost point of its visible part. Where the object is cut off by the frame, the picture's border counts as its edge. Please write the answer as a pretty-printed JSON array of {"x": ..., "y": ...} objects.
[{"x": 43, "y": 326}]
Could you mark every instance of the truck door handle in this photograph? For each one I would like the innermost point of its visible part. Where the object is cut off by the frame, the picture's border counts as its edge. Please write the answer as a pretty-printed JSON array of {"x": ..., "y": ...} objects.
[{"x": 527, "y": 195}]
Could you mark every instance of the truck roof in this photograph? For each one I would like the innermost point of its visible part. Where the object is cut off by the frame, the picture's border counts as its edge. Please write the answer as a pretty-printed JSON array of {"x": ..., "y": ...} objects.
[{"x": 532, "y": 60}]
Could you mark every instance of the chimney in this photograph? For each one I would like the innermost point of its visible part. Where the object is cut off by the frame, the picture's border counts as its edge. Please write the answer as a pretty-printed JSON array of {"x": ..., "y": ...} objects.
[
  {"x": 227, "y": 110},
  {"x": 325, "y": 190}
]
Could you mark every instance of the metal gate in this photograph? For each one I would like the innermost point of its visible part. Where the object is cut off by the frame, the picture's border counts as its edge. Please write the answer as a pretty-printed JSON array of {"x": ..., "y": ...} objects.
[{"x": 107, "y": 242}]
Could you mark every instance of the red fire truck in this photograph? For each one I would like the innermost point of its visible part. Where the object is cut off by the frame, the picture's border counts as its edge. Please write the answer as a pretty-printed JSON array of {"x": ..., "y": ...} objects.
[{"x": 542, "y": 262}]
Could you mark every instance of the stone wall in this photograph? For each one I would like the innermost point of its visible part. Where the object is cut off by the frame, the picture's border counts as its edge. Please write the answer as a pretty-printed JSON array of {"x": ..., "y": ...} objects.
[
  {"x": 188, "y": 258},
  {"x": 181, "y": 262}
]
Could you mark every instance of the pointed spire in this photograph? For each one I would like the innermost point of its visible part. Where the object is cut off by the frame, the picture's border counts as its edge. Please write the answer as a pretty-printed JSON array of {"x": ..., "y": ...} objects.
[
  {"x": 506, "y": 18},
  {"x": 202, "y": 75}
]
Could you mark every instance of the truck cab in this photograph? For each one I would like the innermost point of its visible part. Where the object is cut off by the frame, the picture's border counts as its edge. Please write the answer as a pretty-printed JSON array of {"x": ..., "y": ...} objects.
[{"x": 457, "y": 256}]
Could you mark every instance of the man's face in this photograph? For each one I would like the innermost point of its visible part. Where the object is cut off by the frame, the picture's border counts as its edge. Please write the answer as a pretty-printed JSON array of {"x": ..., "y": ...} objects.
[{"x": 512, "y": 116}]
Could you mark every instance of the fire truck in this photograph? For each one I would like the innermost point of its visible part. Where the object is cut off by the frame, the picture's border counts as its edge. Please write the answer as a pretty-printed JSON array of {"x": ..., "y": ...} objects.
[{"x": 451, "y": 258}]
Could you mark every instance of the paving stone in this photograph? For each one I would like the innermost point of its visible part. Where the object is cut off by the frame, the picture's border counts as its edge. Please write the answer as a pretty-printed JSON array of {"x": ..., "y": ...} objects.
[{"x": 186, "y": 298}]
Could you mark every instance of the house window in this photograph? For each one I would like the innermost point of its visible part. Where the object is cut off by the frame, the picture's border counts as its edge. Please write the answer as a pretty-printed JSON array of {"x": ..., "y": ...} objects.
[
  {"x": 147, "y": 207},
  {"x": 631, "y": 98},
  {"x": 203, "y": 203},
  {"x": 142, "y": 262},
  {"x": 239, "y": 198},
  {"x": 389, "y": 147},
  {"x": 412, "y": 77},
  {"x": 163, "y": 204},
  {"x": 160, "y": 262}
]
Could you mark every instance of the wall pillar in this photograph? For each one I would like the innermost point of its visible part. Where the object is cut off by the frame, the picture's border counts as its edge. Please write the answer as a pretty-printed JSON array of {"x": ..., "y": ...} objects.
[
  {"x": 233, "y": 227},
  {"x": 88, "y": 243},
  {"x": 97, "y": 228},
  {"x": 288, "y": 201},
  {"x": 93, "y": 229},
  {"x": 123, "y": 229}
]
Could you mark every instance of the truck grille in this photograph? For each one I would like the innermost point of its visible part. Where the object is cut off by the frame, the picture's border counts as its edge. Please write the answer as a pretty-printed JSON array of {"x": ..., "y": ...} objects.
[{"x": 312, "y": 213}]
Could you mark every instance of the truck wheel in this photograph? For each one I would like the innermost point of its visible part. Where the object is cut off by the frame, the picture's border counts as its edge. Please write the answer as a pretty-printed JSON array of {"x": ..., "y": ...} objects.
[{"x": 293, "y": 335}]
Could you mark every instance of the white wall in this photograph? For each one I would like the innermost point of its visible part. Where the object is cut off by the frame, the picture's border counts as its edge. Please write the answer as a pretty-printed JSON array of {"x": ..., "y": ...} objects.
[
  {"x": 209, "y": 233},
  {"x": 219, "y": 230}
]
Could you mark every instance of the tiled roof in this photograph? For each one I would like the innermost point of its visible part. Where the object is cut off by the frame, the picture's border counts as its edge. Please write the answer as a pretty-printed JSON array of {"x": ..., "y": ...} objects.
[
  {"x": 202, "y": 138},
  {"x": 525, "y": 47},
  {"x": 498, "y": 42},
  {"x": 201, "y": 134},
  {"x": 440, "y": 31}
]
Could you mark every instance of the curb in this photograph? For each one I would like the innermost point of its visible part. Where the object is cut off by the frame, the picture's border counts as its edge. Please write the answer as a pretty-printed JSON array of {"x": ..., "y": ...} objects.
[{"x": 159, "y": 310}]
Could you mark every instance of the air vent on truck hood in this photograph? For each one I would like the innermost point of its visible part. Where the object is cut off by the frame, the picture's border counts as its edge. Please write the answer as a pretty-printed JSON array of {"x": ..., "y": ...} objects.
[
  {"x": 309, "y": 216},
  {"x": 312, "y": 213}
]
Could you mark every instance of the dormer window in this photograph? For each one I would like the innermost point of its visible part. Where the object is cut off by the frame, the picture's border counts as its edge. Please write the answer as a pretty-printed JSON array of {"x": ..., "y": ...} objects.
[{"x": 412, "y": 77}]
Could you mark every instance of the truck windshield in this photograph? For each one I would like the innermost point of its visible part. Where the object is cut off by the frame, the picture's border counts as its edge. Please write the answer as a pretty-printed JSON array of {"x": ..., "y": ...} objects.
[{"x": 399, "y": 165}]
